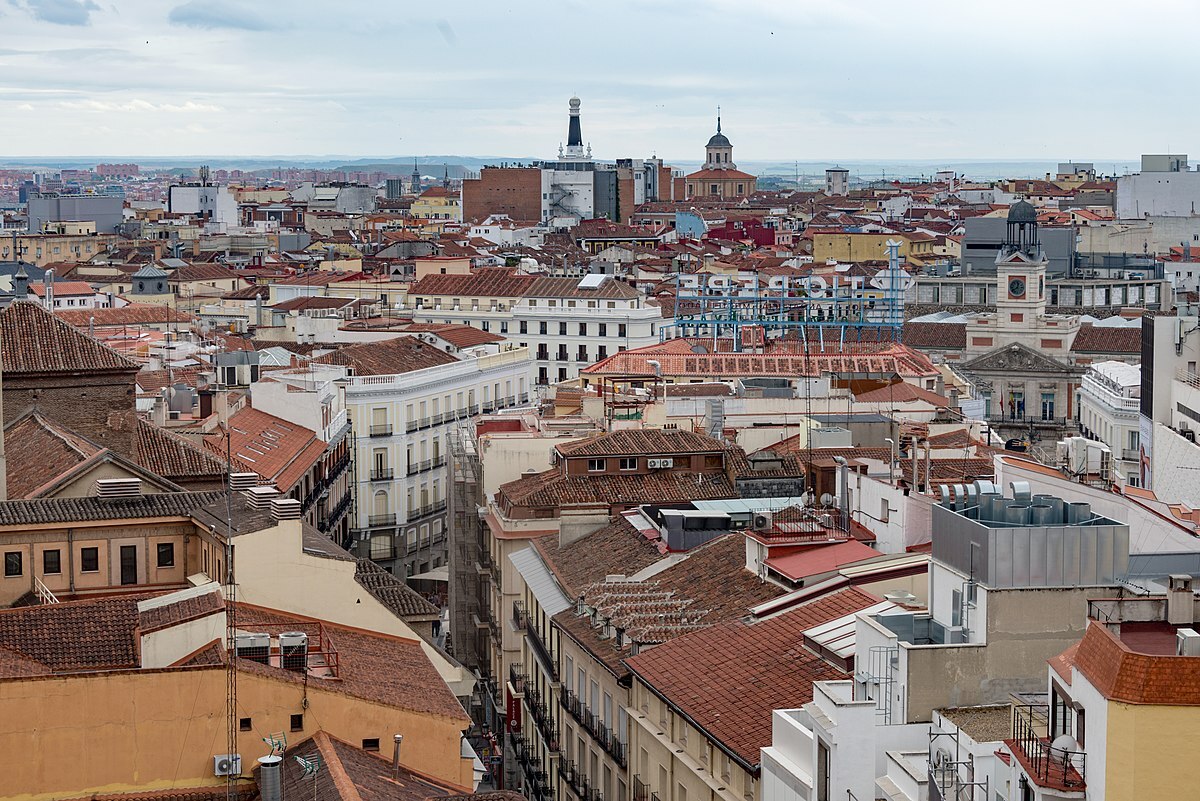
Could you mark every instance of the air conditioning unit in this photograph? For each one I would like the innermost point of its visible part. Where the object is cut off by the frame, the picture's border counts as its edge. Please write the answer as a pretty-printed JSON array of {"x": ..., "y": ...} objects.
[
  {"x": 1187, "y": 642},
  {"x": 762, "y": 521},
  {"x": 256, "y": 647},
  {"x": 227, "y": 765},
  {"x": 293, "y": 647},
  {"x": 660, "y": 464}
]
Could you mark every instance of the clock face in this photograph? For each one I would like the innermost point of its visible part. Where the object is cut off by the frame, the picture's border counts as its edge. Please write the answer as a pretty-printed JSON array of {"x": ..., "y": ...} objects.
[{"x": 1016, "y": 287}]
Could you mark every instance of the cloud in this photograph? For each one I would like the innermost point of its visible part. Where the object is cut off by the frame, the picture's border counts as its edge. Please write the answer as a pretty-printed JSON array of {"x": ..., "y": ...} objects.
[
  {"x": 62, "y": 12},
  {"x": 211, "y": 14}
]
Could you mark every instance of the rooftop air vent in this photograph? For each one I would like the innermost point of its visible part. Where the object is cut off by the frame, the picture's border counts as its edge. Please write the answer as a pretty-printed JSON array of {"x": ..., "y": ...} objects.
[
  {"x": 261, "y": 497},
  {"x": 285, "y": 509},
  {"x": 118, "y": 487},
  {"x": 238, "y": 482}
]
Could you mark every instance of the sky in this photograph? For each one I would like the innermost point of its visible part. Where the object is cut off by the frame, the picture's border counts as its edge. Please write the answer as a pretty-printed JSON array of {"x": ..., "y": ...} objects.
[{"x": 923, "y": 79}]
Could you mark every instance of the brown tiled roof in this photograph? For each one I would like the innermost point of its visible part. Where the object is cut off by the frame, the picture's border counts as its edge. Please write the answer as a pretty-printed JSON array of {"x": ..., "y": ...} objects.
[
  {"x": 390, "y": 357},
  {"x": 173, "y": 457},
  {"x": 1120, "y": 674},
  {"x": 482, "y": 283},
  {"x": 611, "y": 289},
  {"x": 133, "y": 314},
  {"x": 704, "y": 390},
  {"x": 616, "y": 549},
  {"x": 935, "y": 336},
  {"x": 93, "y": 634},
  {"x": 554, "y": 489},
  {"x": 732, "y": 698},
  {"x": 349, "y": 773},
  {"x": 460, "y": 336},
  {"x": 34, "y": 341},
  {"x": 901, "y": 392},
  {"x": 313, "y": 302},
  {"x": 245, "y": 792},
  {"x": 278, "y": 451},
  {"x": 648, "y": 441},
  {"x": 150, "y": 382},
  {"x": 38, "y": 451},
  {"x": 376, "y": 667},
  {"x": 391, "y": 591},
  {"x": 201, "y": 272},
  {"x": 180, "y": 611},
  {"x": 1124, "y": 340}
]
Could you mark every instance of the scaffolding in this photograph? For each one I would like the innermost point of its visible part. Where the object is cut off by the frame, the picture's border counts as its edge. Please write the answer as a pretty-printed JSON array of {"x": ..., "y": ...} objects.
[
  {"x": 826, "y": 313},
  {"x": 465, "y": 555}
]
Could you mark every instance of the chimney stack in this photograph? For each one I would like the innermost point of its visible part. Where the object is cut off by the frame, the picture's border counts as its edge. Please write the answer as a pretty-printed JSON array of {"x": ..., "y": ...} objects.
[
  {"x": 269, "y": 784},
  {"x": 397, "y": 740},
  {"x": 1180, "y": 600}
]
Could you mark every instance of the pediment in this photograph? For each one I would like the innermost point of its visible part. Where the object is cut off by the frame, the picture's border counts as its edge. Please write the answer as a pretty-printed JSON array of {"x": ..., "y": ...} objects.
[{"x": 1016, "y": 357}]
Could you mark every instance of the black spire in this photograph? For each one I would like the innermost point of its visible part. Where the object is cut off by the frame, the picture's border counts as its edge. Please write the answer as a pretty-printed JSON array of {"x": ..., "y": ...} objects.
[{"x": 574, "y": 134}]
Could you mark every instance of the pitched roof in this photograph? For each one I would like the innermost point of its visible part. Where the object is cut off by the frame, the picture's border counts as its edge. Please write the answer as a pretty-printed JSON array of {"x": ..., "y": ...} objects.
[
  {"x": 391, "y": 591},
  {"x": 732, "y": 698},
  {"x": 389, "y": 357},
  {"x": 813, "y": 561},
  {"x": 93, "y": 634},
  {"x": 277, "y": 450},
  {"x": 458, "y": 335},
  {"x": 552, "y": 489},
  {"x": 720, "y": 175},
  {"x": 38, "y": 451},
  {"x": 635, "y": 441},
  {"x": 616, "y": 549},
  {"x": 1121, "y": 674},
  {"x": 171, "y": 456},
  {"x": 1108, "y": 339},
  {"x": 481, "y": 283},
  {"x": 61, "y": 288},
  {"x": 40, "y": 511},
  {"x": 32, "y": 340},
  {"x": 935, "y": 336},
  {"x": 133, "y": 314},
  {"x": 901, "y": 392}
]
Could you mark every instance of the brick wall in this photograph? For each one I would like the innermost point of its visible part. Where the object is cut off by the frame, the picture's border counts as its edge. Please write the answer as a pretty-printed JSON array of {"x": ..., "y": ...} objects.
[
  {"x": 100, "y": 406},
  {"x": 515, "y": 191}
]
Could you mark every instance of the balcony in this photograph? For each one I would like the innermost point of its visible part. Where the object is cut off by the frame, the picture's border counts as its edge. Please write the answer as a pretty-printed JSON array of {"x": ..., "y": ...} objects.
[
  {"x": 383, "y": 474},
  {"x": 540, "y": 714},
  {"x": 519, "y": 616},
  {"x": 334, "y": 516},
  {"x": 375, "y": 521},
  {"x": 384, "y": 430},
  {"x": 542, "y": 652},
  {"x": 517, "y": 679},
  {"x": 641, "y": 791},
  {"x": 605, "y": 737},
  {"x": 1047, "y": 766},
  {"x": 418, "y": 512}
]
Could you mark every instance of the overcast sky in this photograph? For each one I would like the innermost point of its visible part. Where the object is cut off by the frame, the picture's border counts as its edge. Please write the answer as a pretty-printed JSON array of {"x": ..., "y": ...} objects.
[{"x": 795, "y": 79}]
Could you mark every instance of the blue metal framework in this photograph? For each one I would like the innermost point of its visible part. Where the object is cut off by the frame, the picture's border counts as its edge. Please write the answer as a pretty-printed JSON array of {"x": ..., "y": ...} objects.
[{"x": 824, "y": 314}]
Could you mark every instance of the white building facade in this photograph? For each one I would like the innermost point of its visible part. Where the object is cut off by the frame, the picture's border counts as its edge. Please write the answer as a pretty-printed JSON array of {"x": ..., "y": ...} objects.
[{"x": 1109, "y": 397}]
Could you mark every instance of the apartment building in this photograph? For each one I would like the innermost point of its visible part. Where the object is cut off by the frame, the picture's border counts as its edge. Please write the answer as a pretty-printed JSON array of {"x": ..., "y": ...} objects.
[
  {"x": 1108, "y": 411},
  {"x": 566, "y": 323},
  {"x": 403, "y": 395},
  {"x": 1009, "y": 585}
]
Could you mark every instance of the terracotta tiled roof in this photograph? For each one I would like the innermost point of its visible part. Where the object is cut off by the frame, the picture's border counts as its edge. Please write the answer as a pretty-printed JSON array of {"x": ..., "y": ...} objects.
[
  {"x": 349, "y": 773},
  {"x": 552, "y": 489},
  {"x": 460, "y": 336},
  {"x": 391, "y": 591},
  {"x": 390, "y": 357},
  {"x": 377, "y": 667},
  {"x": 93, "y": 634},
  {"x": 935, "y": 336},
  {"x": 1108, "y": 339},
  {"x": 720, "y": 175},
  {"x": 181, "y": 611},
  {"x": 616, "y": 549},
  {"x": 480, "y": 284},
  {"x": 901, "y": 392},
  {"x": 201, "y": 272},
  {"x": 34, "y": 341},
  {"x": 958, "y": 438},
  {"x": 1121, "y": 674},
  {"x": 815, "y": 560},
  {"x": 611, "y": 289},
  {"x": 732, "y": 698},
  {"x": 38, "y": 451},
  {"x": 704, "y": 390},
  {"x": 173, "y": 457},
  {"x": 133, "y": 314},
  {"x": 64, "y": 288},
  {"x": 151, "y": 381},
  {"x": 648, "y": 441},
  {"x": 278, "y": 451},
  {"x": 314, "y": 302}
]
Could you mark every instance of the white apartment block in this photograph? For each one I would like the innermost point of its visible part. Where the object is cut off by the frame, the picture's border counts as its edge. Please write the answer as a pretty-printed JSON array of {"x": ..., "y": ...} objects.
[
  {"x": 1109, "y": 398},
  {"x": 566, "y": 324},
  {"x": 403, "y": 396}
]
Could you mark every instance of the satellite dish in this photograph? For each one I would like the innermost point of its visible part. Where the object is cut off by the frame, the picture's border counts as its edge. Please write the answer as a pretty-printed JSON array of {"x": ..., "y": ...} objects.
[{"x": 826, "y": 499}]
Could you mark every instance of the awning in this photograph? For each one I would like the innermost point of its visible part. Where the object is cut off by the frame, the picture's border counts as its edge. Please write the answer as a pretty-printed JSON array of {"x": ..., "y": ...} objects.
[
  {"x": 540, "y": 582},
  {"x": 437, "y": 574}
]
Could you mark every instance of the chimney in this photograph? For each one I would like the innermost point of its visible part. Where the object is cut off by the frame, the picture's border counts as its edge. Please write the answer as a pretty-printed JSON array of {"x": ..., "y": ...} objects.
[
  {"x": 48, "y": 283},
  {"x": 261, "y": 497},
  {"x": 269, "y": 785},
  {"x": 285, "y": 509},
  {"x": 396, "y": 740},
  {"x": 1180, "y": 602},
  {"x": 240, "y": 482}
]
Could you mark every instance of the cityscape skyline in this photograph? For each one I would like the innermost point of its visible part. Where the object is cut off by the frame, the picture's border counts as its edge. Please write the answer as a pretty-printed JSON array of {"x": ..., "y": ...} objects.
[{"x": 822, "y": 82}]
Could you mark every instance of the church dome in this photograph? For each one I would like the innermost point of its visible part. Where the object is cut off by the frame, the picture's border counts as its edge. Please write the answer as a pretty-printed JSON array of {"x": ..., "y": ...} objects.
[
  {"x": 1022, "y": 212},
  {"x": 719, "y": 140}
]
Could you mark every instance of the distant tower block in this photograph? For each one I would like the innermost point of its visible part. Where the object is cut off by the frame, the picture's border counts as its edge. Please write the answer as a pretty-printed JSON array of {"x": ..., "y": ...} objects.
[{"x": 837, "y": 182}]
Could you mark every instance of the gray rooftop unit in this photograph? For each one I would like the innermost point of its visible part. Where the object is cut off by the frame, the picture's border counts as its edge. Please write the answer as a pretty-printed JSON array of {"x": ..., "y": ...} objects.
[{"x": 1026, "y": 540}]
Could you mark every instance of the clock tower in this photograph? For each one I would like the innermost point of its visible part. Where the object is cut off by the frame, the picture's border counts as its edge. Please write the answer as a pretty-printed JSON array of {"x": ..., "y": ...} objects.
[{"x": 1021, "y": 271}]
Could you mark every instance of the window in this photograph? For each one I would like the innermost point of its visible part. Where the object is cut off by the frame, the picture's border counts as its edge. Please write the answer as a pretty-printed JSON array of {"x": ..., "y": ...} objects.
[
  {"x": 602, "y": 329},
  {"x": 89, "y": 560},
  {"x": 562, "y": 329},
  {"x": 503, "y": 327},
  {"x": 51, "y": 563},
  {"x": 542, "y": 327},
  {"x": 244, "y": 724},
  {"x": 621, "y": 330},
  {"x": 297, "y": 722},
  {"x": 370, "y": 744},
  {"x": 523, "y": 327},
  {"x": 485, "y": 325},
  {"x": 166, "y": 554},
  {"x": 12, "y": 564},
  {"x": 629, "y": 463},
  {"x": 583, "y": 329},
  {"x": 594, "y": 466}
]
